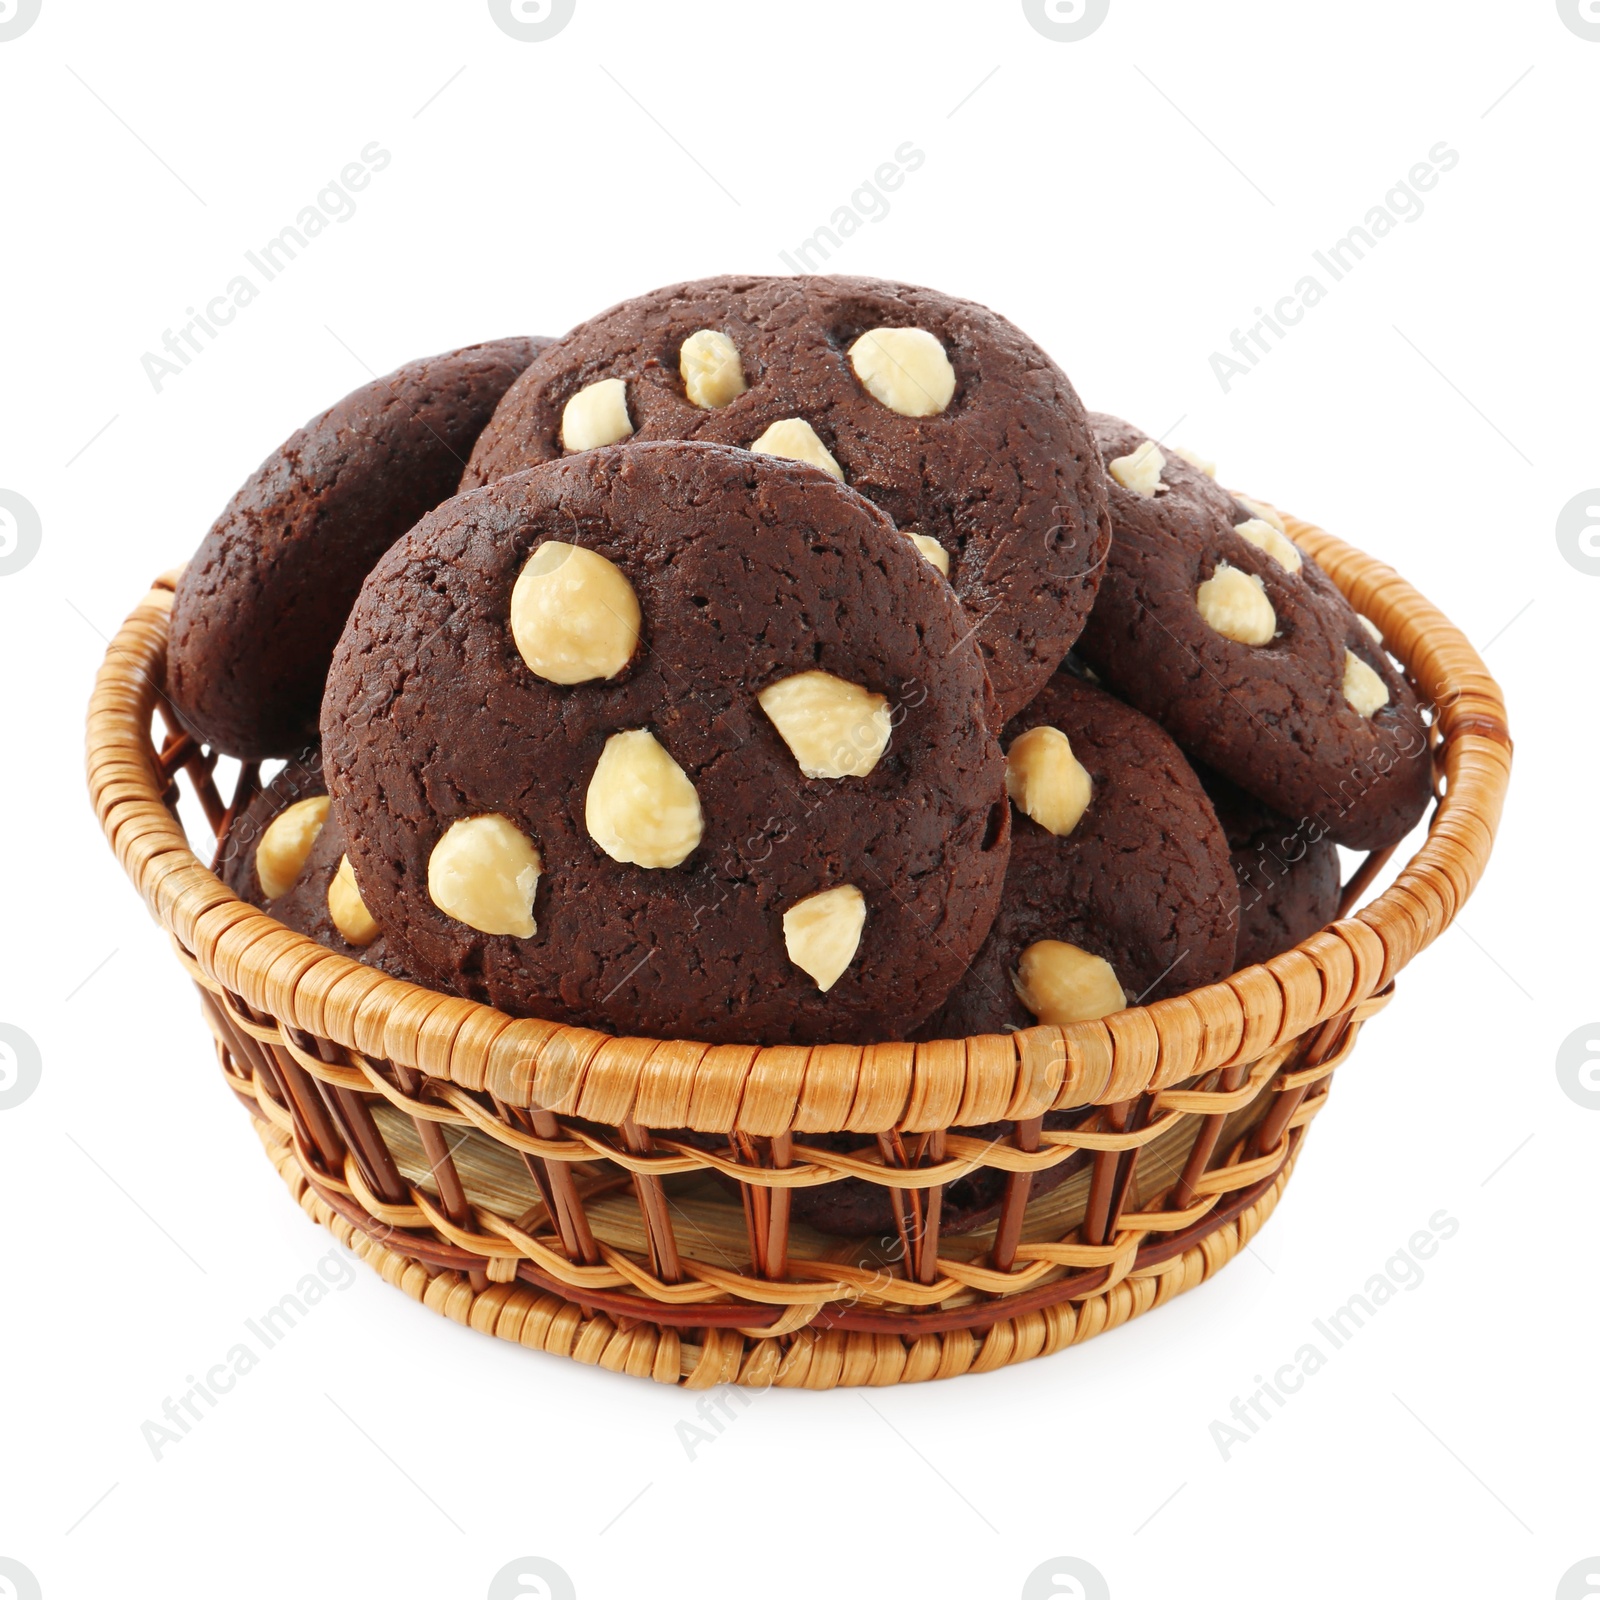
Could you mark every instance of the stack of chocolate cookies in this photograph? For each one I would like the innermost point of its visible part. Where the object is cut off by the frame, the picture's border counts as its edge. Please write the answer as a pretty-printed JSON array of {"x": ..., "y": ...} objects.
[{"x": 782, "y": 660}]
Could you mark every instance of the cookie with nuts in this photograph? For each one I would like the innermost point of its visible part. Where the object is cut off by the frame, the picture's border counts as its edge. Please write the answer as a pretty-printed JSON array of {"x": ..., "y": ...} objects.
[
  {"x": 257, "y": 611},
  {"x": 1288, "y": 872},
  {"x": 285, "y": 853},
  {"x": 940, "y": 412},
  {"x": 671, "y": 739},
  {"x": 1120, "y": 890},
  {"x": 1214, "y": 622}
]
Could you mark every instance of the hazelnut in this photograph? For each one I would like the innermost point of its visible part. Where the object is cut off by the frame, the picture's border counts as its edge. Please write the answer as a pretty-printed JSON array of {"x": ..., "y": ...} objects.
[
  {"x": 835, "y": 728},
  {"x": 823, "y": 932},
  {"x": 1363, "y": 688},
  {"x": 1046, "y": 781},
  {"x": 1235, "y": 604},
  {"x": 795, "y": 439},
  {"x": 932, "y": 552},
  {"x": 348, "y": 909},
  {"x": 484, "y": 872},
  {"x": 1371, "y": 627},
  {"x": 286, "y": 843},
  {"x": 1198, "y": 462},
  {"x": 641, "y": 807},
  {"x": 1265, "y": 537},
  {"x": 712, "y": 372},
  {"x": 905, "y": 369},
  {"x": 1141, "y": 471},
  {"x": 595, "y": 416},
  {"x": 1060, "y": 983},
  {"x": 1264, "y": 513},
  {"x": 574, "y": 616}
]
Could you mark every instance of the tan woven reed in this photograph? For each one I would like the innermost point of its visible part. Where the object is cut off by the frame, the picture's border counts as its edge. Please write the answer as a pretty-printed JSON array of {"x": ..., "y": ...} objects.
[{"x": 563, "y": 1214}]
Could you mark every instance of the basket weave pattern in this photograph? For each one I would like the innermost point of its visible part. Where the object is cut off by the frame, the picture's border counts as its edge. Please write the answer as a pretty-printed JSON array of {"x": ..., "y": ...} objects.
[{"x": 524, "y": 1177}]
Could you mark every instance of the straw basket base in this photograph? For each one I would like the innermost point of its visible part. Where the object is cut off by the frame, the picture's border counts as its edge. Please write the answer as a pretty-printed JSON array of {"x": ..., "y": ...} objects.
[{"x": 806, "y": 1359}]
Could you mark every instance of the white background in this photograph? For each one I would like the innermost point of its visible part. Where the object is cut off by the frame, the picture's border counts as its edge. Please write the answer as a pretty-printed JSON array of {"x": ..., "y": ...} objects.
[{"x": 1128, "y": 199}]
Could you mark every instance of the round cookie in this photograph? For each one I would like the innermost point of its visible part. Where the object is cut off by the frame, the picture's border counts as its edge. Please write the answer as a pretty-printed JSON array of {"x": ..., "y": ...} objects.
[
  {"x": 235, "y": 861},
  {"x": 257, "y": 611},
  {"x": 1124, "y": 891},
  {"x": 303, "y": 902},
  {"x": 654, "y": 845},
  {"x": 1288, "y": 875},
  {"x": 1243, "y": 649},
  {"x": 978, "y": 446}
]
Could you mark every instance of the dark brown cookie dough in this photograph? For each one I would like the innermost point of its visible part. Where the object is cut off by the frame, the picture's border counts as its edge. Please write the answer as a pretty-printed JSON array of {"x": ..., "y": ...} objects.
[
  {"x": 257, "y": 611},
  {"x": 1273, "y": 716},
  {"x": 1288, "y": 873},
  {"x": 235, "y": 863},
  {"x": 748, "y": 571},
  {"x": 1006, "y": 478},
  {"x": 304, "y": 905},
  {"x": 1143, "y": 880}
]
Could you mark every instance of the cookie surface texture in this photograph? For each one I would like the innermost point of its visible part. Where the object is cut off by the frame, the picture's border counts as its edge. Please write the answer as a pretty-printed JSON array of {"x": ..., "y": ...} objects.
[
  {"x": 259, "y": 608},
  {"x": 1142, "y": 882},
  {"x": 1214, "y": 623},
  {"x": 682, "y": 873},
  {"x": 301, "y": 904},
  {"x": 1288, "y": 874},
  {"x": 938, "y": 410}
]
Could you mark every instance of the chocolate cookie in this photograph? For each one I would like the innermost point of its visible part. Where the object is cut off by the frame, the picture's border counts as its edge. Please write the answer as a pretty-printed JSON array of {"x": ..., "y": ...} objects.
[
  {"x": 1288, "y": 873},
  {"x": 1119, "y": 889},
  {"x": 235, "y": 862},
  {"x": 1214, "y": 623},
  {"x": 257, "y": 611},
  {"x": 284, "y": 854},
  {"x": 672, "y": 739},
  {"x": 939, "y": 411}
]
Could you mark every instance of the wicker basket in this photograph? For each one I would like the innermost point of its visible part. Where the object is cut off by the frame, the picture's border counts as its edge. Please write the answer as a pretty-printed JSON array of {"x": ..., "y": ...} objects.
[{"x": 522, "y": 1176}]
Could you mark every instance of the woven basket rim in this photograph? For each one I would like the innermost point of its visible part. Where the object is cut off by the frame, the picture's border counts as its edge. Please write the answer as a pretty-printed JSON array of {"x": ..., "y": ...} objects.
[{"x": 809, "y": 1088}]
